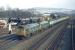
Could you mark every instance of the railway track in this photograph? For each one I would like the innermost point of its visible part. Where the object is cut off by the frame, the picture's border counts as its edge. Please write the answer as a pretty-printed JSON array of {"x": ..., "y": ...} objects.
[
  {"x": 36, "y": 46},
  {"x": 7, "y": 38},
  {"x": 56, "y": 42},
  {"x": 9, "y": 41}
]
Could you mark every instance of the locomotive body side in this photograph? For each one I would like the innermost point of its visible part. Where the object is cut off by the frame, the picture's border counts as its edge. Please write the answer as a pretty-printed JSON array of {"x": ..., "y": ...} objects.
[{"x": 28, "y": 29}]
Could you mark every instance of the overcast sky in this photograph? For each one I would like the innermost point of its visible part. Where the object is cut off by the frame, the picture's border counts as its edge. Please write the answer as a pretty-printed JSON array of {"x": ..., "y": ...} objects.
[{"x": 70, "y": 4}]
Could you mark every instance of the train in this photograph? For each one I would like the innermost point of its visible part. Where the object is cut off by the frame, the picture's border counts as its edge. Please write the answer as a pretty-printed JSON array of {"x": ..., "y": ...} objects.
[{"x": 30, "y": 29}]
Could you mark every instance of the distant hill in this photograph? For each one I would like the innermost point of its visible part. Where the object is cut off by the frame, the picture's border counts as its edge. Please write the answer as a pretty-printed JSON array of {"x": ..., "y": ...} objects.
[{"x": 49, "y": 10}]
